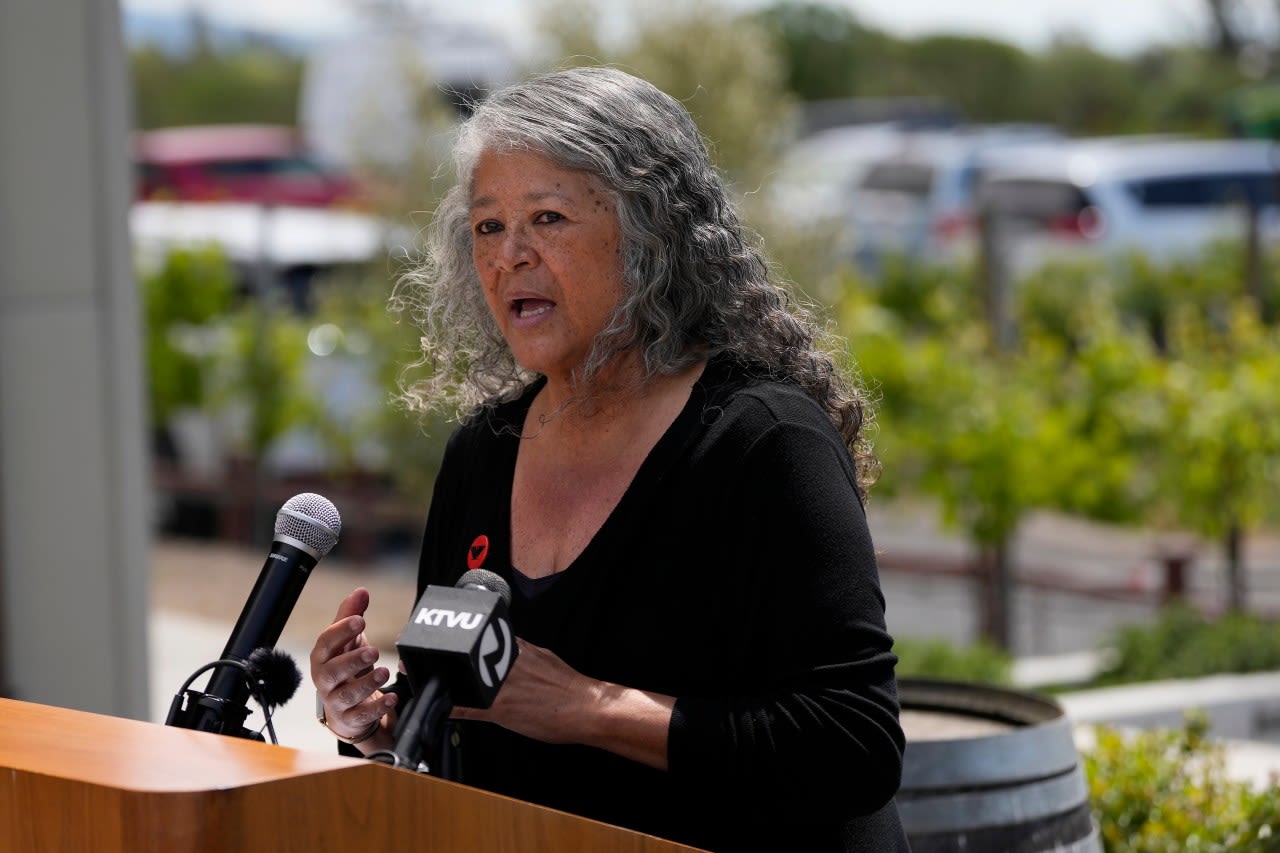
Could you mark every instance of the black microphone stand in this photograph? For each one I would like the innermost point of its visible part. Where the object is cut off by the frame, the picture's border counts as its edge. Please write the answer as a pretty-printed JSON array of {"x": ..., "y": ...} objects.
[
  {"x": 203, "y": 712},
  {"x": 418, "y": 733}
]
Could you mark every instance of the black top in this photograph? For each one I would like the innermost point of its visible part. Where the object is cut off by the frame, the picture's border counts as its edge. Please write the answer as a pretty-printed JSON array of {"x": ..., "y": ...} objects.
[{"x": 736, "y": 574}]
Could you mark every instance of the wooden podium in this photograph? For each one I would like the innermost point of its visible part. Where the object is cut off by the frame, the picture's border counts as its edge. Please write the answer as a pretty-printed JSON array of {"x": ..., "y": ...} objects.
[{"x": 75, "y": 781}]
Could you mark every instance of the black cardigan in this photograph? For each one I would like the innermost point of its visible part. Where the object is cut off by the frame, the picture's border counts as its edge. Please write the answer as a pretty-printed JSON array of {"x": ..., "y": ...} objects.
[{"x": 737, "y": 574}]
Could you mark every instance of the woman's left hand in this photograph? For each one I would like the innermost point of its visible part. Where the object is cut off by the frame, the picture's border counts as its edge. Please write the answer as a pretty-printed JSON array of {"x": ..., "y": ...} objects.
[{"x": 546, "y": 699}]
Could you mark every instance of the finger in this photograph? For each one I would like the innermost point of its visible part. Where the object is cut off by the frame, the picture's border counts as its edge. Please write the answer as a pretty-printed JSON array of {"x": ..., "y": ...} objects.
[
  {"x": 344, "y": 632},
  {"x": 360, "y": 716},
  {"x": 349, "y": 666},
  {"x": 354, "y": 604},
  {"x": 356, "y": 704},
  {"x": 340, "y": 637},
  {"x": 341, "y": 688}
]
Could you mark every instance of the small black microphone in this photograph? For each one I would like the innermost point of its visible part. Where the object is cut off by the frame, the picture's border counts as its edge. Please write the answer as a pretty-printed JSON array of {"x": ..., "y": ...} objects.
[
  {"x": 275, "y": 675},
  {"x": 307, "y": 528},
  {"x": 457, "y": 650}
]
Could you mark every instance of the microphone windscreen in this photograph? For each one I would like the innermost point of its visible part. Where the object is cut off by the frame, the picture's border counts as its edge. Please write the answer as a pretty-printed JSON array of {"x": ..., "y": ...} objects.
[
  {"x": 311, "y": 519},
  {"x": 276, "y": 672},
  {"x": 487, "y": 580}
]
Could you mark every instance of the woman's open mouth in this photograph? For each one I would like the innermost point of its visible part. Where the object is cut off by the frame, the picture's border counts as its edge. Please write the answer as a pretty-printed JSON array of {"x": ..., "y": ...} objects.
[{"x": 527, "y": 309}]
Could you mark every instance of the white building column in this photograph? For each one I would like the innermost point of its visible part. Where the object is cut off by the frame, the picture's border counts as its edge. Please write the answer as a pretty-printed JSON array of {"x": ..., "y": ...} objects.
[{"x": 74, "y": 498}]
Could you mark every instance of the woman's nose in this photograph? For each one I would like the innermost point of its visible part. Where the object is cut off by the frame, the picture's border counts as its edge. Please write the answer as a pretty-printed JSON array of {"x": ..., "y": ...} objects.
[{"x": 515, "y": 251}]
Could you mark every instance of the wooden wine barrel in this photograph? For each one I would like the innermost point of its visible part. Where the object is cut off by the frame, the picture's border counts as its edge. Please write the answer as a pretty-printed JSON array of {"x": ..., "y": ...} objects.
[{"x": 990, "y": 770}]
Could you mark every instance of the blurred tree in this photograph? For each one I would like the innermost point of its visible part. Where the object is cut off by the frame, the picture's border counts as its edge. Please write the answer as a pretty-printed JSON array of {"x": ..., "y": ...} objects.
[
  {"x": 1219, "y": 460},
  {"x": 987, "y": 79},
  {"x": 1184, "y": 89},
  {"x": 252, "y": 85},
  {"x": 962, "y": 421},
  {"x": 1238, "y": 28},
  {"x": 723, "y": 67},
  {"x": 818, "y": 50},
  {"x": 382, "y": 438},
  {"x": 184, "y": 297},
  {"x": 1083, "y": 91},
  {"x": 726, "y": 71},
  {"x": 259, "y": 377},
  {"x": 1225, "y": 39},
  {"x": 826, "y": 52},
  {"x": 1103, "y": 376}
]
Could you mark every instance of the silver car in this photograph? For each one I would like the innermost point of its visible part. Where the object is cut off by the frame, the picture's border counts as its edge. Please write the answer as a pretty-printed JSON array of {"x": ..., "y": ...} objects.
[{"x": 1165, "y": 197}]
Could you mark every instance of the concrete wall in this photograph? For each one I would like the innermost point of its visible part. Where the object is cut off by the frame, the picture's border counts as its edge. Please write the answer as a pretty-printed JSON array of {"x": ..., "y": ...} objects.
[{"x": 74, "y": 515}]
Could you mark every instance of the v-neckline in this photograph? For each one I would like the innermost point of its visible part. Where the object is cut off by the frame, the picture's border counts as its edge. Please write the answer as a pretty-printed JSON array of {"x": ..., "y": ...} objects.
[{"x": 647, "y": 475}]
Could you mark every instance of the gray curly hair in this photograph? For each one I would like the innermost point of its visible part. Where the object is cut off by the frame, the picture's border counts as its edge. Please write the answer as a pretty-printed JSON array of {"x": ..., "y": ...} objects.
[{"x": 694, "y": 285}]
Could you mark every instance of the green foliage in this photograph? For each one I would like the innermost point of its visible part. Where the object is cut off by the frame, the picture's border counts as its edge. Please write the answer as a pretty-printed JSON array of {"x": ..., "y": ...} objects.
[
  {"x": 961, "y": 421},
  {"x": 723, "y": 69},
  {"x": 383, "y": 436},
  {"x": 1223, "y": 445},
  {"x": 1169, "y": 367},
  {"x": 1105, "y": 379},
  {"x": 929, "y": 297},
  {"x": 807, "y": 51},
  {"x": 243, "y": 359},
  {"x": 1182, "y": 643},
  {"x": 1153, "y": 293},
  {"x": 254, "y": 85},
  {"x": 983, "y": 77},
  {"x": 1184, "y": 90},
  {"x": 984, "y": 452},
  {"x": 937, "y": 658},
  {"x": 1089, "y": 92},
  {"x": 1167, "y": 791},
  {"x": 183, "y": 298},
  {"x": 1133, "y": 392},
  {"x": 261, "y": 375},
  {"x": 827, "y": 53},
  {"x": 260, "y": 370},
  {"x": 1254, "y": 110}
]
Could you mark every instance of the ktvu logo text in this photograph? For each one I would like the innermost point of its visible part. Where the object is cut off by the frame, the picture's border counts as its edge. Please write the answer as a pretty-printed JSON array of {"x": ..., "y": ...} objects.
[{"x": 436, "y": 617}]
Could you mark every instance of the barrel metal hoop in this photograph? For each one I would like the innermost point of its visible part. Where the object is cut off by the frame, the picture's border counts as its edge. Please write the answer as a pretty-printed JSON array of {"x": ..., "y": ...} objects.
[
  {"x": 958, "y": 811},
  {"x": 1019, "y": 755}
]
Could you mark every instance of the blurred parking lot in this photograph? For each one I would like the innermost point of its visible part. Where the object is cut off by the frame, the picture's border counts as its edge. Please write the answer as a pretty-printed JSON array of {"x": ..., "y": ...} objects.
[{"x": 924, "y": 195}]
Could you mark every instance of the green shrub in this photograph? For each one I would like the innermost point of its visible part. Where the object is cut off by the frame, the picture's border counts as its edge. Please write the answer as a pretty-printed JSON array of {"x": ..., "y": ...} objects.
[
  {"x": 1167, "y": 791},
  {"x": 407, "y": 446},
  {"x": 935, "y": 658},
  {"x": 1182, "y": 643},
  {"x": 185, "y": 295}
]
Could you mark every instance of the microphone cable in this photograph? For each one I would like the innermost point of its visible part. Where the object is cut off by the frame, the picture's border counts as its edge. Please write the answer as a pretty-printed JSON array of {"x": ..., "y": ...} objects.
[{"x": 265, "y": 690}]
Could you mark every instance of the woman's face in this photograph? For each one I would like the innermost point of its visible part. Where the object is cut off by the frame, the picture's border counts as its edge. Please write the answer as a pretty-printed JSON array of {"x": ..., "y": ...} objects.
[{"x": 548, "y": 249}]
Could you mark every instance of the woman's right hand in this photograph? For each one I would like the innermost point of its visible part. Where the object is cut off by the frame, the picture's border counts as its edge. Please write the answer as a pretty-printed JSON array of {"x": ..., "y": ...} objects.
[{"x": 346, "y": 680}]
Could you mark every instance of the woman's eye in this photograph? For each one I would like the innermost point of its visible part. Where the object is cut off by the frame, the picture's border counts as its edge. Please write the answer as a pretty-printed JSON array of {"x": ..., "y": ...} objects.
[
  {"x": 548, "y": 216},
  {"x": 488, "y": 226}
]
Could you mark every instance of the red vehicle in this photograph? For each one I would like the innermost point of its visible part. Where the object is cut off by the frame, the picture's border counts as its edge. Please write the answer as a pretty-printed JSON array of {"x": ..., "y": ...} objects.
[{"x": 237, "y": 162}]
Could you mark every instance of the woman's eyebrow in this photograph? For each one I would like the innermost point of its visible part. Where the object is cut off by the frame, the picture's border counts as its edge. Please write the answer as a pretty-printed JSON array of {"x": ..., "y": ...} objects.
[{"x": 541, "y": 195}]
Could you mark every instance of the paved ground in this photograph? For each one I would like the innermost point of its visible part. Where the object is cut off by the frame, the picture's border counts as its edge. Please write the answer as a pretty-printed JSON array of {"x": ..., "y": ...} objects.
[{"x": 1079, "y": 582}]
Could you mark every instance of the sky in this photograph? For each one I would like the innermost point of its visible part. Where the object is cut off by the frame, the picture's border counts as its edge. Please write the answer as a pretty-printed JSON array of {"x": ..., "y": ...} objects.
[{"x": 1118, "y": 26}]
